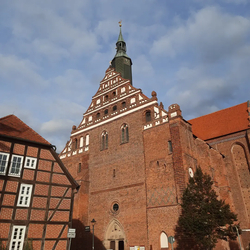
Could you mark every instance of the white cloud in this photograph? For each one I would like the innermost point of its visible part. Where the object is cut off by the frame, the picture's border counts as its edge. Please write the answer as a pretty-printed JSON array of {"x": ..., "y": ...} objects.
[
  {"x": 143, "y": 66},
  {"x": 19, "y": 72},
  {"x": 208, "y": 34}
]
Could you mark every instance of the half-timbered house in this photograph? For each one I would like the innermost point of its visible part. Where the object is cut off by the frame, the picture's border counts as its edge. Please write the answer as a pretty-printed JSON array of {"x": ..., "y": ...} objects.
[{"x": 36, "y": 190}]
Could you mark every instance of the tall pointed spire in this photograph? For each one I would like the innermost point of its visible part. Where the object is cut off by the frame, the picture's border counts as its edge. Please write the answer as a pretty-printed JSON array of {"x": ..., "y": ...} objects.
[{"x": 122, "y": 62}]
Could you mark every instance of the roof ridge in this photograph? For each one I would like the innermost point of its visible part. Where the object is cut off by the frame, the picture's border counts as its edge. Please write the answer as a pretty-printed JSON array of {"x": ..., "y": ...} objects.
[{"x": 221, "y": 110}]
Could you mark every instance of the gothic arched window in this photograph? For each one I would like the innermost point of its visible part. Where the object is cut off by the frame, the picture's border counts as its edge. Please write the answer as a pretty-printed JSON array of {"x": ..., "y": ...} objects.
[
  {"x": 164, "y": 240},
  {"x": 148, "y": 116},
  {"x": 124, "y": 133},
  {"x": 104, "y": 140}
]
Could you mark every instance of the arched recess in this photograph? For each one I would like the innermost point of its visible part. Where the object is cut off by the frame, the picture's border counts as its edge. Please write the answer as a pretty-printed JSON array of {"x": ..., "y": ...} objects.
[
  {"x": 115, "y": 236},
  {"x": 242, "y": 168},
  {"x": 164, "y": 240}
]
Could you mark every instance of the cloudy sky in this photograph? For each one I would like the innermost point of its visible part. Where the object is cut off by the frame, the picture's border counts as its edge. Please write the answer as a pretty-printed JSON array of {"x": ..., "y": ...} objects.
[{"x": 54, "y": 53}]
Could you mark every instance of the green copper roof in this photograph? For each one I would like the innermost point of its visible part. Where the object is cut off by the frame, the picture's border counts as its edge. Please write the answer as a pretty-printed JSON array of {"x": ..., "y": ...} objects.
[{"x": 120, "y": 38}]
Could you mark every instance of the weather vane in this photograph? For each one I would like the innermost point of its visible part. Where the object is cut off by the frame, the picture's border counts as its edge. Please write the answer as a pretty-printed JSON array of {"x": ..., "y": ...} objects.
[{"x": 120, "y": 23}]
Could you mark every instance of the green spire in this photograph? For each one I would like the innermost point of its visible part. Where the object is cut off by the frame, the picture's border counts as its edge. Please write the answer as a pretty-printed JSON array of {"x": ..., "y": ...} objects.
[
  {"x": 120, "y": 38},
  {"x": 121, "y": 61}
]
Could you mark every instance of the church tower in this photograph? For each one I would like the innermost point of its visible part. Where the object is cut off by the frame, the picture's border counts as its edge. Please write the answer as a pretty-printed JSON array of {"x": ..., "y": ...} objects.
[
  {"x": 132, "y": 159},
  {"x": 122, "y": 62}
]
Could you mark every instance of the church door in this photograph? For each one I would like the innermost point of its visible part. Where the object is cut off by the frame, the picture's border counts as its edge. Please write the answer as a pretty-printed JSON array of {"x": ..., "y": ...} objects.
[{"x": 115, "y": 236}]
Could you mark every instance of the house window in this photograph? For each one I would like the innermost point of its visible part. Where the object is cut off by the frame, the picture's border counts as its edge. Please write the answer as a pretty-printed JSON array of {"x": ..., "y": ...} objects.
[
  {"x": 148, "y": 116},
  {"x": 30, "y": 162},
  {"x": 17, "y": 238},
  {"x": 104, "y": 140},
  {"x": 106, "y": 111},
  {"x": 114, "y": 94},
  {"x": 106, "y": 98},
  {"x": 124, "y": 135},
  {"x": 24, "y": 195},
  {"x": 115, "y": 108},
  {"x": 3, "y": 162},
  {"x": 98, "y": 116},
  {"x": 16, "y": 165}
]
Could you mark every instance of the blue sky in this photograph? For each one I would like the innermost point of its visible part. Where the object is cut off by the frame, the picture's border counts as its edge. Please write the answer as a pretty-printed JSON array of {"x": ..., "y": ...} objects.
[{"x": 53, "y": 55}]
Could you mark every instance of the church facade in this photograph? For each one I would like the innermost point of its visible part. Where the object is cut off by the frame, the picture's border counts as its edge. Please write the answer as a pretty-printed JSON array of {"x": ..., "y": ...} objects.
[{"x": 133, "y": 158}]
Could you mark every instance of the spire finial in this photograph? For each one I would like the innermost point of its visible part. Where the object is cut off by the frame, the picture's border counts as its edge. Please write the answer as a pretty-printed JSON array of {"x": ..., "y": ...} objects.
[{"x": 120, "y": 23}]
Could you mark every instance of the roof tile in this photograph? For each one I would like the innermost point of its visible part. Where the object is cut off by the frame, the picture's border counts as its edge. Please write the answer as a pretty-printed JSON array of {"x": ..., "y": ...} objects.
[
  {"x": 12, "y": 126},
  {"x": 223, "y": 122}
]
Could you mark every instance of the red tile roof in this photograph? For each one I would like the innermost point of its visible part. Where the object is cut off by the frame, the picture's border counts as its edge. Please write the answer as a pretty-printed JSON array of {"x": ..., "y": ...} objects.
[
  {"x": 222, "y": 122},
  {"x": 12, "y": 126}
]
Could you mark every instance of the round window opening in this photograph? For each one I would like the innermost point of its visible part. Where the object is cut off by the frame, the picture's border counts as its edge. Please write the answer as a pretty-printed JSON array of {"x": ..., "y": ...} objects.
[{"x": 115, "y": 207}]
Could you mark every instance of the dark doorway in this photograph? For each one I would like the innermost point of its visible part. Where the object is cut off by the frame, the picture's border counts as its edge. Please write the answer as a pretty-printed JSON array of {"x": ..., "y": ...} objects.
[
  {"x": 112, "y": 245},
  {"x": 121, "y": 245}
]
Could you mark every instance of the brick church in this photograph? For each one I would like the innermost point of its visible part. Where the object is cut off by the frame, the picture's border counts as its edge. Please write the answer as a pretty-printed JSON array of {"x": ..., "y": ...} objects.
[{"x": 133, "y": 159}]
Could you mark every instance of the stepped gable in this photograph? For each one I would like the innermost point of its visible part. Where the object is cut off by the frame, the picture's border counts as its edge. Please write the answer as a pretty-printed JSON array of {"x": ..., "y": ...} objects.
[
  {"x": 115, "y": 97},
  {"x": 12, "y": 126},
  {"x": 223, "y": 122}
]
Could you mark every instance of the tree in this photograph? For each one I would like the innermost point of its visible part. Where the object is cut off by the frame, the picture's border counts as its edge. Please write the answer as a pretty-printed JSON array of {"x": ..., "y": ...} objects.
[{"x": 204, "y": 218}]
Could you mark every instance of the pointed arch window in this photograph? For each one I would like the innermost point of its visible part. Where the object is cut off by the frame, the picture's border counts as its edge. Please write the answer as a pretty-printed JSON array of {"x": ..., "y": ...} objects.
[
  {"x": 148, "y": 116},
  {"x": 123, "y": 104},
  {"x": 81, "y": 141},
  {"x": 124, "y": 133},
  {"x": 164, "y": 240},
  {"x": 104, "y": 140}
]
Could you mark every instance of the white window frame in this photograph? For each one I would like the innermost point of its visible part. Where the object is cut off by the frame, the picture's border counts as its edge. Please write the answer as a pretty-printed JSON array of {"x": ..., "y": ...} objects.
[
  {"x": 17, "y": 238},
  {"x": 30, "y": 162},
  {"x": 24, "y": 195},
  {"x": 6, "y": 163},
  {"x": 12, "y": 163}
]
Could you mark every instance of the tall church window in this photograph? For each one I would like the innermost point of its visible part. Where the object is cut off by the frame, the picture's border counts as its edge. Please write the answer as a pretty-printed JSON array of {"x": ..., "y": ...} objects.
[
  {"x": 87, "y": 140},
  {"x": 81, "y": 142},
  {"x": 170, "y": 147},
  {"x": 124, "y": 133},
  {"x": 104, "y": 140},
  {"x": 164, "y": 240},
  {"x": 148, "y": 116},
  {"x": 79, "y": 167}
]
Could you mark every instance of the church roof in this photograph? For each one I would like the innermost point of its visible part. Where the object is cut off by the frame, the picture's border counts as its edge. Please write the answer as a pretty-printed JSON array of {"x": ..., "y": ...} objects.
[
  {"x": 223, "y": 122},
  {"x": 12, "y": 126}
]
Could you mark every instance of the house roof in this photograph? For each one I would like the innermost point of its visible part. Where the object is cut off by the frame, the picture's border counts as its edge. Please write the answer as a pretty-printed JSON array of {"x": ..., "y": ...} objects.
[
  {"x": 12, "y": 126},
  {"x": 223, "y": 122}
]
